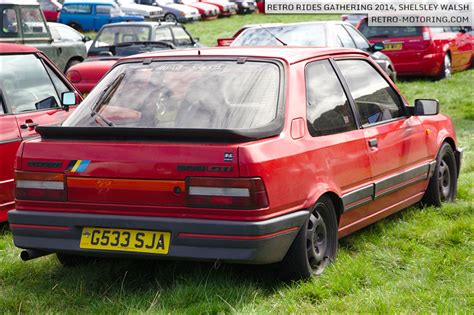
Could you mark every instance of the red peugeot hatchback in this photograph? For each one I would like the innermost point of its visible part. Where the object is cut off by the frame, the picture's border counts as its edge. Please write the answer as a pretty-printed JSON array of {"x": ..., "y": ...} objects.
[
  {"x": 250, "y": 155},
  {"x": 31, "y": 88},
  {"x": 424, "y": 51}
]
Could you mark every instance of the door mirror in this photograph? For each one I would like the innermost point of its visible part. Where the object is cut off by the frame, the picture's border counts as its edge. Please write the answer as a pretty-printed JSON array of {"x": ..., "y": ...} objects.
[
  {"x": 68, "y": 99},
  {"x": 86, "y": 39},
  {"x": 49, "y": 102},
  {"x": 378, "y": 46},
  {"x": 426, "y": 107}
]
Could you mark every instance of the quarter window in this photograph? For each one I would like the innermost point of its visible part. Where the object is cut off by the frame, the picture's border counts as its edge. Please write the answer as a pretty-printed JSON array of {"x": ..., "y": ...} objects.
[
  {"x": 181, "y": 37},
  {"x": 343, "y": 36},
  {"x": 10, "y": 24},
  {"x": 328, "y": 110},
  {"x": 163, "y": 33},
  {"x": 359, "y": 40},
  {"x": 103, "y": 9},
  {"x": 375, "y": 99},
  {"x": 78, "y": 9}
]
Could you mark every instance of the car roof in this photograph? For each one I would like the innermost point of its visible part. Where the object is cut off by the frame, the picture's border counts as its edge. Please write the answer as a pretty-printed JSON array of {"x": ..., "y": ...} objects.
[
  {"x": 155, "y": 24},
  {"x": 19, "y": 2},
  {"x": 88, "y": 2},
  {"x": 292, "y": 54},
  {"x": 16, "y": 48}
]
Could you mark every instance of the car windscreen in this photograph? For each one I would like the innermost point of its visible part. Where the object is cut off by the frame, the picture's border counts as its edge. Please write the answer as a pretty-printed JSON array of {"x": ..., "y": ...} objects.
[
  {"x": 292, "y": 35},
  {"x": 389, "y": 31},
  {"x": 225, "y": 95}
]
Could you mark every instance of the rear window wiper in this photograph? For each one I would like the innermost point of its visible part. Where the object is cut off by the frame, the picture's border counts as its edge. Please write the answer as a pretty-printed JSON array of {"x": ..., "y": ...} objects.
[{"x": 105, "y": 98}]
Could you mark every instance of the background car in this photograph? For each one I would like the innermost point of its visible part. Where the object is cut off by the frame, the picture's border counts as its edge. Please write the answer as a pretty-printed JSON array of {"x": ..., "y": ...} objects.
[
  {"x": 245, "y": 6},
  {"x": 207, "y": 11},
  {"x": 326, "y": 34},
  {"x": 24, "y": 23},
  {"x": 228, "y": 40},
  {"x": 354, "y": 19},
  {"x": 226, "y": 8},
  {"x": 149, "y": 13},
  {"x": 174, "y": 11},
  {"x": 423, "y": 51},
  {"x": 51, "y": 9},
  {"x": 124, "y": 39},
  {"x": 92, "y": 15},
  {"x": 30, "y": 95},
  {"x": 71, "y": 39}
]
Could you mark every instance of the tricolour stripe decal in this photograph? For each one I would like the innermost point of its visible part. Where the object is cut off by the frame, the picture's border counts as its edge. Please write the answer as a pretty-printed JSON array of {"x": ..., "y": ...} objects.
[{"x": 77, "y": 166}]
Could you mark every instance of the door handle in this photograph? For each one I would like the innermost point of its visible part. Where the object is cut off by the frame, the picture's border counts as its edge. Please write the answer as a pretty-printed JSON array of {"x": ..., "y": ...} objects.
[
  {"x": 373, "y": 143},
  {"x": 28, "y": 125},
  {"x": 60, "y": 50}
]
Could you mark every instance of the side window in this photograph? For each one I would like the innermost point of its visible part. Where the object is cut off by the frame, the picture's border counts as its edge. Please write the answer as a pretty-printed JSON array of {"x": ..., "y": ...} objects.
[
  {"x": 163, "y": 33},
  {"x": 103, "y": 9},
  {"x": 46, "y": 6},
  {"x": 343, "y": 36},
  {"x": 359, "y": 40},
  {"x": 181, "y": 37},
  {"x": 10, "y": 23},
  {"x": 2, "y": 107},
  {"x": 78, "y": 9},
  {"x": 327, "y": 108},
  {"x": 58, "y": 83},
  {"x": 25, "y": 83},
  {"x": 32, "y": 23},
  {"x": 375, "y": 99}
]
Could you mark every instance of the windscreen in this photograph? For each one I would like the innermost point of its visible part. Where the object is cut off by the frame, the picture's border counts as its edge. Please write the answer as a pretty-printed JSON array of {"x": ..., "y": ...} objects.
[
  {"x": 389, "y": 31},
  {"x": 292, "y": 35},
  {"x": 184, "y": 95}
]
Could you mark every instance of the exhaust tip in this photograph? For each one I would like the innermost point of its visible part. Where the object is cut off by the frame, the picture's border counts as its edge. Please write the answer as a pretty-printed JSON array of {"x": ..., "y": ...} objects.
[{"x": 29, "y": 254}]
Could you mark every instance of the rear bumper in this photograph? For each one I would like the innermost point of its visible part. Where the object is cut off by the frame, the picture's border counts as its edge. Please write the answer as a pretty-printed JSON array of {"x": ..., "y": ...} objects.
[{"x": 259, "y": 242}]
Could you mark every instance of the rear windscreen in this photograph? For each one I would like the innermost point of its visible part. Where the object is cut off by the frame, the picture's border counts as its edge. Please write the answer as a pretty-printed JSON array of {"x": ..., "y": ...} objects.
[
  {"x": 185, "y": 95},
  {"x": 389, "y": 31}
]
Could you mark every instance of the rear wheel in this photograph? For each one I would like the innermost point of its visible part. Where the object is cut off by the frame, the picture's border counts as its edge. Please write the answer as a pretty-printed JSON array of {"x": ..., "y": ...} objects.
[
  {"x": 315, "y": 245},
  {"x": 443, "y": 184},
  {"x": 446, "y": 68},
  {"x": 169, "y": 17},
  {"x": 71, "y": 63},
  {"x": 75, "y": 26}
]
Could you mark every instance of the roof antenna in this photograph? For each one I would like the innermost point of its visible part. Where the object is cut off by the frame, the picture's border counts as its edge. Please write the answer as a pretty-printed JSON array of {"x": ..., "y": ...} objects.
[{"x": 273, "y": 35}]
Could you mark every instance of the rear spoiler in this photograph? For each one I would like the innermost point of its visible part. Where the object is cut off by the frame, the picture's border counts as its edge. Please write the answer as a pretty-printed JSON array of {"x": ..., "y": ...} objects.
[{"x": 178, "y": 134}]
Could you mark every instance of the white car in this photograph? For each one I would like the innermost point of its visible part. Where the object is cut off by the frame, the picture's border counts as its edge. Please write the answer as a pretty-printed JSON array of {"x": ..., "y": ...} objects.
[{"x": 148, "y": 12}]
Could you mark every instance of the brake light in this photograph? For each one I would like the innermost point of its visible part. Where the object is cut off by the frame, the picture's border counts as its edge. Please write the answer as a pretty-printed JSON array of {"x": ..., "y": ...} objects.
[
  {"x": 229, "y": 193},
  {"x": 73, "y": 76},
  {"x": 40, "y": 186}
]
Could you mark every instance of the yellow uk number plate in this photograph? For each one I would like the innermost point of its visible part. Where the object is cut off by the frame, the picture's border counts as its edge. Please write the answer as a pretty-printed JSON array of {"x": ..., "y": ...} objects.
[
  {"x": 397, "y": 46},
  {"x": 141, "y": 241}
]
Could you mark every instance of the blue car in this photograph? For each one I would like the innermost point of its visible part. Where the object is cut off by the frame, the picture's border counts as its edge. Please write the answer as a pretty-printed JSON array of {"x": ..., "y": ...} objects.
[{"x": 92, "y": 15}]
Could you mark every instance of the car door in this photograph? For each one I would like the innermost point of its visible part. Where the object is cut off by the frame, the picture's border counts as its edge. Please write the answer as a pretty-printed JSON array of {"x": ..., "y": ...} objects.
[
  {"x": 336, "y": 142},
  {"x": 397, "y": 142},
  {"x": 10, "y": 140},
  {"x": 102, "y": 15}
]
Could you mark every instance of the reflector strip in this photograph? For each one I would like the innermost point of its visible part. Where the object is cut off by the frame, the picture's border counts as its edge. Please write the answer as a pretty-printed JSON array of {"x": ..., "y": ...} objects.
[
  {"x": 237, "y": 237},
  {"x": 219, "y": 191},
  {"x": 39, "y": 184},
  {"x": 39, "y": 227},
  {"x": 129, "y": 184}
]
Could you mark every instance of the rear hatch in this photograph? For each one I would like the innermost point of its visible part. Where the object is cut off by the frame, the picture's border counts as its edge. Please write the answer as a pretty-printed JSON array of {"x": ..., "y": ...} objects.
[{"x": 405, "y": 45}]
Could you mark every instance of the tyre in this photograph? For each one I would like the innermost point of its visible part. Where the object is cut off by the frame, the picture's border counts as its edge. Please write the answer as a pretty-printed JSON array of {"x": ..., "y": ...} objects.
[
  {"x": 391, "y": 74},
  {"x": 170, "y": 17},
  {"x": 443, "y": 184},
  {"x": 71, "y": 63},
  {"x": 315, "y": 246},
  {"x": 68, "y": 260},
  {"x": 75, "y": 26},
  {"x": 446, "y": 68}
]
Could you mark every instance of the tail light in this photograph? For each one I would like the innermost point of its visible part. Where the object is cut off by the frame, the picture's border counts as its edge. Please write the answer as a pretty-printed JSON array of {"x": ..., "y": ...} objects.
[
  {"x": 40, "y": 186},
  {"x": 73, "y": 76},
  {"x": 228, "y": 193}
]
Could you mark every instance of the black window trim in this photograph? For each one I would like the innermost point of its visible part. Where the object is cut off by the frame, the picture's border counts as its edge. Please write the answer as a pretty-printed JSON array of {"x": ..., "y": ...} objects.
[
  {"x": 344, "y": 88},
  {"x": 353, "y": 104}
]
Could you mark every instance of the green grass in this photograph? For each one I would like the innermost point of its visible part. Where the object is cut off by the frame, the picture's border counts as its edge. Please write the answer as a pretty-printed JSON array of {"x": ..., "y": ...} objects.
[{"x": 417, "y": 261}]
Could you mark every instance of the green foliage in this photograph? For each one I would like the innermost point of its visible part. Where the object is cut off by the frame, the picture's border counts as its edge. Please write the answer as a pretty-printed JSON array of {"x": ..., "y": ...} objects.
[{"x": 417, "y": 261}]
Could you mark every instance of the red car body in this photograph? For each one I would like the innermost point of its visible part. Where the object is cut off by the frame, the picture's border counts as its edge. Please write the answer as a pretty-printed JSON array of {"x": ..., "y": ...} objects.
[
  {"x": 226, "y": 8},
  {"x": 208, "y": 11},
  {"x": 423, "y": 52},
  {"x": 14, "y": 127},
  {"x": 51, "y": 9},
  {"x": 150, "y": 182},
  {"x": 85, "y": 75}
]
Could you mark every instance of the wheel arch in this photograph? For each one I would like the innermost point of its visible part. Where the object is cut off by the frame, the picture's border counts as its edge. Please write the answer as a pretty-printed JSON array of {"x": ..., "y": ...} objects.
[
  {"x": 452, "y": 143},
  {"x": 334, "y": 197}
]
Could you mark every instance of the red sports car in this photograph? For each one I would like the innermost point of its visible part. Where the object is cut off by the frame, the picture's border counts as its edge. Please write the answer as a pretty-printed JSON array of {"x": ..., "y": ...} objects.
[
  {"x": 226, "y": 8},
  {"x": 31, "y": 92},
  {"x": 207, "y": 10},
  {"x": 424, "y": 51},
  {"x": 250, "y": 155}
]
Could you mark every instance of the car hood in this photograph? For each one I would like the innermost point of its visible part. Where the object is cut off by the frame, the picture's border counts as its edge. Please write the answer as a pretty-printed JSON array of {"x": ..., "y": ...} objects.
[
  {"x": 131, "y": 8},
  {"x": 180, "y": 7},
  {"x": 205, "y": 6}
]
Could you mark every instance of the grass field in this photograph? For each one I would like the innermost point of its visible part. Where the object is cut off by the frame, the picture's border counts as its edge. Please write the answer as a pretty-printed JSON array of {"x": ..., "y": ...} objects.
[{"x": 417, "y": 261}]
